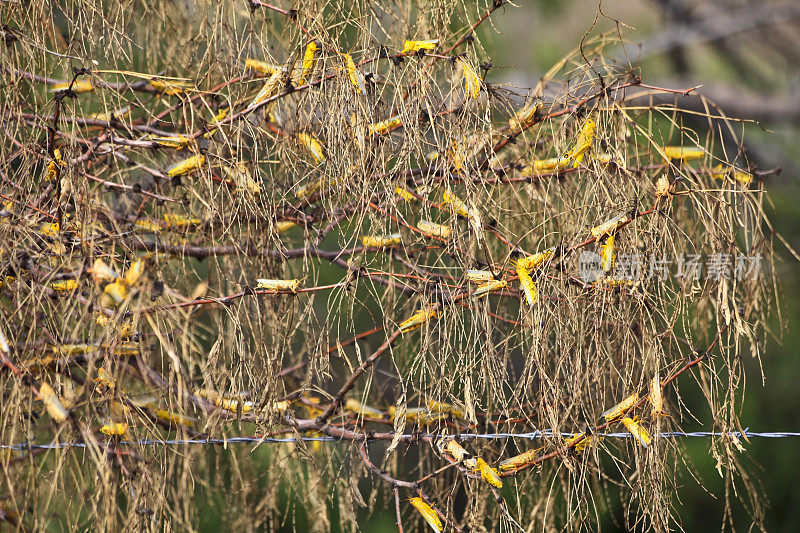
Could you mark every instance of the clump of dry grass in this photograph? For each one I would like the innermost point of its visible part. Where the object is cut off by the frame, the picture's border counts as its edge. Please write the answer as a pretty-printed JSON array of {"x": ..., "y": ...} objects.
[{"x": 215, "y": 228}]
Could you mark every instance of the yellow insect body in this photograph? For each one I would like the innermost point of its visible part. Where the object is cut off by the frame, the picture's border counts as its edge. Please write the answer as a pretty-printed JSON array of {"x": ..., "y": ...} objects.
[
  {"x": 427, "y": 513},
  {"x": 512, "y": 463},
  {"x": 455, "y": 204},
  {"x": 580, "y": 441},
  {"x": 603, "y": 159},
  {"x": 354, "y": 75},
  {"x": 621, "y": 408},
  {"x": 542, "y": 166},
  {"x": 278, "y": 407},
  {"x": 378, "y": 241},
  {"x": 268, "y": 90},
  {"x": 657, "y": 396},
  {"x": 308, "y": 190},
  {"x": 175, "y": 220},
  {"x": 720, "y": 172},
  {"x": 639, "y": 433},
  {"x": 409, "y": 47},
  {"x": 424, "y": 416},
  {"x": 532, "y": 262},
  {"x": 119, "y": 409},
  {"x": 490, "y": 286},
  {"x": 684, "y": 153},
  {"x": 69, "y": 350},
  {"x": 464, "y": 151},
  {"x": 117, "y": 291},
  {"x": 134, "y": 272},
  {"x": 221, "y": 114},
  {"x": 52, "y": 404},
  {"x": 242, "y": 178},
  {"x": 584, "y": 142},
  {"x": 607, "y": 254},
  {"x": 278, "y": 284},
  {"x": 609, "y": 227},
  {"x": 419, "y": 318},
  {"x": 479, "y": 276},
  {"x": 102, "y": 273},
  {"x": 384, "y": 126},
  {"x": 283, "y": 226},
  {"x": 488, "y": 474},
  {"x": 261, "y": 67},
  {"x": 50, "y": 229},
  {"x": 613, "y": 282},
  {"x": 104, "y": 380},
  {"x": 456, "y": 450},
  {"x": 127, "y": 349},
  {"x": 79, "y": 87},
  {"x": 175, "y": 418},
  {"x": 743, "y": 177},
  {"x": 150, "y": 226},
  {"x": 7, "y": 280},
  {"x": 528, "y": 286},
  {"x": 171, "y": 87},
  {"x": 309, "y": 62},
  {"x": 447, "y": 408},
  {"x": 458, "y": 206},
  {"x": 52, "y": 166},
  {"x": 359, "y": 408},
  {"x": 405, "y": 194},
  {"x": 40, "y": 363},
  {"x": 434, "y": 230},
  {"x": 66, "y": 285},
  {"x": 117, "y": 114},
  {"x": 174, "y": 141},
  {"x": 186, "y": 166},
  {"x": 472, "y": 82},
  {"x": 115, "y": 429},
  {"x": 420, "y": 415},
  {"x": 312, "y": 145},
  {"x": 525, "y": 116},
  {"x": 233, "y": 404},
  {"x": 311, "y": 404}
]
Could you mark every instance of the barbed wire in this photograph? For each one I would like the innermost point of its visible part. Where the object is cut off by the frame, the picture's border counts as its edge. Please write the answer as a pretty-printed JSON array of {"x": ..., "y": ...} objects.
[
  {"x": 462, "y": 436},
  {"x": 379, "y": 224}
]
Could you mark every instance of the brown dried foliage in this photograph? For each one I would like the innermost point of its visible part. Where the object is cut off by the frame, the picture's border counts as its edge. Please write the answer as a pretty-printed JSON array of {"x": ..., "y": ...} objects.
[{"x": 190, "y": 348}]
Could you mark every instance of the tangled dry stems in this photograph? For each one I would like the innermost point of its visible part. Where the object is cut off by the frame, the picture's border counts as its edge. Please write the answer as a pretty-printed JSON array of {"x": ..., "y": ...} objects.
[{"x": 132, "y": 310}]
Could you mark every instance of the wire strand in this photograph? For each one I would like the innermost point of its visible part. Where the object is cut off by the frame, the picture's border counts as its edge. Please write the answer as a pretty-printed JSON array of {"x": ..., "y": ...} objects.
[{"x": 463, "y": 436}]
